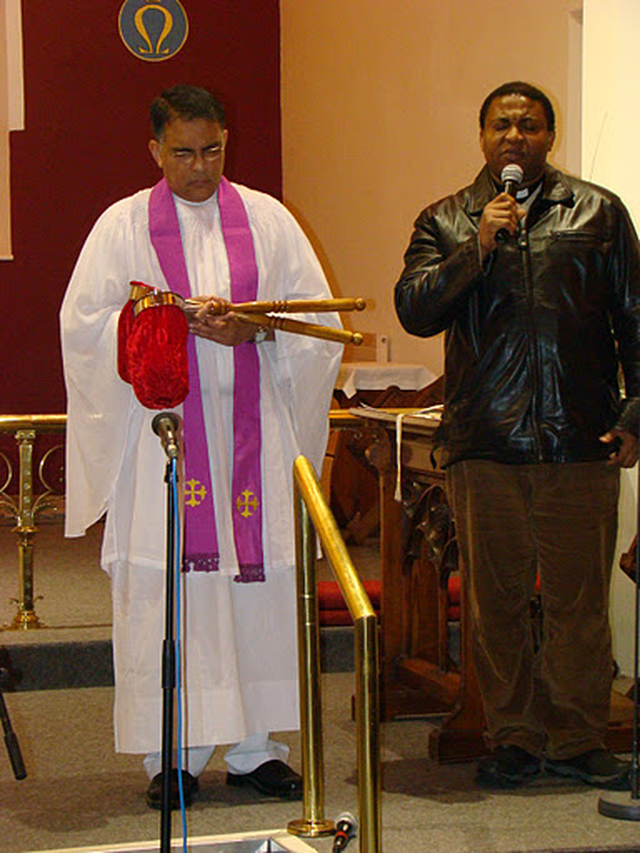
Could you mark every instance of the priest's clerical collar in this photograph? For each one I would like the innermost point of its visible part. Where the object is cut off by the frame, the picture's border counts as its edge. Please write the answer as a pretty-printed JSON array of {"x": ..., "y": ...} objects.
[
  {"x": 204, "y": 203},
  {"x": 522, "y": 193}
]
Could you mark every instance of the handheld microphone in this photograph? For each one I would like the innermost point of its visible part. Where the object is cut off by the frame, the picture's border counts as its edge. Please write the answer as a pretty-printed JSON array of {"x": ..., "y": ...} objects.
[
  {"x": 165, "y": 425},
  {"x": 511, "y": 177},
  {"x": 346, "y": 827}
]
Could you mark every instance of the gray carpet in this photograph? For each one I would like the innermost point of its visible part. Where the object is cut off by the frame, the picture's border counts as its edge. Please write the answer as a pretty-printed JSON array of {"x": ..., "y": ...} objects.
[{"x": 79, "y": 793}]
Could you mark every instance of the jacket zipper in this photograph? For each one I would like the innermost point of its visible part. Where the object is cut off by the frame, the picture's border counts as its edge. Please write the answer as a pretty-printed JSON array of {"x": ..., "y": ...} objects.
[{"x": 523, "y": 246}]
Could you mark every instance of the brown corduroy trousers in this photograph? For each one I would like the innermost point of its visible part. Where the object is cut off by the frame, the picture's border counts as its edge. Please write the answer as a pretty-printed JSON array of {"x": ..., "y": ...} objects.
[{"x": 559, "y": 522}]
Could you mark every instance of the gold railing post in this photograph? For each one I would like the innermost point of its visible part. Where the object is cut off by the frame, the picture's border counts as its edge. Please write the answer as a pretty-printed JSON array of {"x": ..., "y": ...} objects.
[
  {"x": 309, "y": 503},
  {"x": 25, "y": 529},
  {"x": 313, "y": 823},
  {"x": 367, "y": 732},
  {"x": 26, "y": 506}
]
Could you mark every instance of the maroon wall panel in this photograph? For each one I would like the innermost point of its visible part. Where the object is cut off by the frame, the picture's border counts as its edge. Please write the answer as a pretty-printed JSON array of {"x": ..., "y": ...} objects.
[{"x": 85, "y": 146}]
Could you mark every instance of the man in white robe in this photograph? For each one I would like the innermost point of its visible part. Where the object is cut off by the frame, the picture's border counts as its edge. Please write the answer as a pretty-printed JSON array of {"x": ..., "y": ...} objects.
[{"x": 238, "y": 642}]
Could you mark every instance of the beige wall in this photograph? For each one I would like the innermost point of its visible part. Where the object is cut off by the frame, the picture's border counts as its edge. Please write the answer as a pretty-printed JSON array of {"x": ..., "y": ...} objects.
[
  {"x": 11, "y": 107},
  {"x": 379, "y": 103},
  {"x": 610, "y": 73},
  {"x": 5, "y": 219}
]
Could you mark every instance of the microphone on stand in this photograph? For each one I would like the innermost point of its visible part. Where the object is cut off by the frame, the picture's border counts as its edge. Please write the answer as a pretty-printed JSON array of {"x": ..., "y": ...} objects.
[
  {"x": 165, "y": 425},
  {"x": 346, "y": 827},
  {"x": 511, "y": 177}
]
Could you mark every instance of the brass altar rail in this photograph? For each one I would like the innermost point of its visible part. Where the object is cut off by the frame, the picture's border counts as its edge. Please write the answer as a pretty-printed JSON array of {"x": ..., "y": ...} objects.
[
  {"x": 26, "y": 506},
  {"x": 313, "y": 515}
]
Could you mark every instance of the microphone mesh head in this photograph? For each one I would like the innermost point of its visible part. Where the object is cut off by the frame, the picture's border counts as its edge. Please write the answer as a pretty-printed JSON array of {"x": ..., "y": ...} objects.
[
  {"x": 348, "y": 818},
  {"x": 512, "y": 172}
]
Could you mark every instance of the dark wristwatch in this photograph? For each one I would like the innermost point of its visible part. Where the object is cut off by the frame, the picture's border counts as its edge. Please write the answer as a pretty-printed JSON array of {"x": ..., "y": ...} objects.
[{"x": 260, "y": 335}]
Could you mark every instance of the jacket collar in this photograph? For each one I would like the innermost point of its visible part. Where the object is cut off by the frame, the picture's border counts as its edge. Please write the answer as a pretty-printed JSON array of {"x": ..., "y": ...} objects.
[{"x": 555, "y": 190}]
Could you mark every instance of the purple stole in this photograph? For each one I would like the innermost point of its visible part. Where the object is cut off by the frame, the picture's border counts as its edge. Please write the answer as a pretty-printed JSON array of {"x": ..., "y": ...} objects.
[{"x": 201, "y": 550}]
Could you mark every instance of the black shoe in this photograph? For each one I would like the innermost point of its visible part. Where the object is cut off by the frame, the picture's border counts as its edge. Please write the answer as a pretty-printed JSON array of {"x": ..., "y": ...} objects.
[
  {"x": 190, "y": 789},
  {"x": 507, "y": 767},
  {"x": 597, "y": 767},
  {"x": 273, "y": 778}
]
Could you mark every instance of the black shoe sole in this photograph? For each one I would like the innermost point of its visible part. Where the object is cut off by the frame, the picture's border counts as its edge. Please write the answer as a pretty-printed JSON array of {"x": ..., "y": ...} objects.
[
  {"x": 191, "y": 792},
  {"x": 174, "y": 805},
  {"x": 607, "y": 783},
  {"x": 237, "y": 780}
]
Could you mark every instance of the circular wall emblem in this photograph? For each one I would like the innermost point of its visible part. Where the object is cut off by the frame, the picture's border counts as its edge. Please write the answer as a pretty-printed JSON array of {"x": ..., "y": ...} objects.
[{"x": 153, "y": 31}]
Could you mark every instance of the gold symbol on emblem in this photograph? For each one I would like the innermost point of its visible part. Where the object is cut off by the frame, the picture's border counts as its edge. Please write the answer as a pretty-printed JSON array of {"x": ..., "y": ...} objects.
[
  {"x": 153, "y": 30},
  {"x": 142, "y": 29},
  {"x": 192, "y": 495},
  {"x": 247, "y": 503}
]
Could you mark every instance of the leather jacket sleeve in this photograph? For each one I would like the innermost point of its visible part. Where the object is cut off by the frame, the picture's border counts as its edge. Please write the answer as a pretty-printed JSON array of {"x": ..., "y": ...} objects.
[
  {"x": 625, "y": 316},
  {"x": 440, "y": 272}
]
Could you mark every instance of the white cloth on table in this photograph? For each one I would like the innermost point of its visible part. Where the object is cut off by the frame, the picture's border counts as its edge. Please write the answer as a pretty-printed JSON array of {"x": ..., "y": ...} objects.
[{"x": 355, "y": 376}]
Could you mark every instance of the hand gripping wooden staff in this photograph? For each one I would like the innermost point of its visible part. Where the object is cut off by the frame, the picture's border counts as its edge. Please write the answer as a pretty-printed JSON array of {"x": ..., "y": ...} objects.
[{"x": 257, "y": 313}]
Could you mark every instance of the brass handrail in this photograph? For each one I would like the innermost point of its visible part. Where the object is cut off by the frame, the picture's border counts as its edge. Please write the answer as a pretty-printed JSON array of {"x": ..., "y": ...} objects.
[
  {"x": 26, "y": 507},
  {"x": 313, "y": 515},
  {"x": 41, "y": 423}
]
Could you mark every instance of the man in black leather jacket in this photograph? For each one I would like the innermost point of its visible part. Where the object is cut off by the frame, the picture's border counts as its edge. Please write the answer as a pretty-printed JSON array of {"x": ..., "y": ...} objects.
[{"x": 539, "y": 296}]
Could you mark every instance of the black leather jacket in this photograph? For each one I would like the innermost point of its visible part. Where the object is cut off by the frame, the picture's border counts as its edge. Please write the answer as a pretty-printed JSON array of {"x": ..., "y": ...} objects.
[{"x": 536, "y": 336}]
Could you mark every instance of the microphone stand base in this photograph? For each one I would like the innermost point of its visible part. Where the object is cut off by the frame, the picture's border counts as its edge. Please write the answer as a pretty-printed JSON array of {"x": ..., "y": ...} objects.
[
  {"x": 311, "y": 828},
  {"x": 621, "y": 806}
]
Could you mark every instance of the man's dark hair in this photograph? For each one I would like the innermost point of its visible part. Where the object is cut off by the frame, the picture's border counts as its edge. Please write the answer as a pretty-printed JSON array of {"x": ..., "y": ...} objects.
[
  {"x": 526, "y": 90},
  {"x": 185, "y": 102}
]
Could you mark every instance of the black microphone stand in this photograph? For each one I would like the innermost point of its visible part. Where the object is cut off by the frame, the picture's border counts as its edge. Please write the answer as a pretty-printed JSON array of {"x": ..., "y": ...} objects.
[
  {"x": 620, "y": 807},
  {"x": 10, "y": 738},
  {"x": 168, "y": 665}
]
